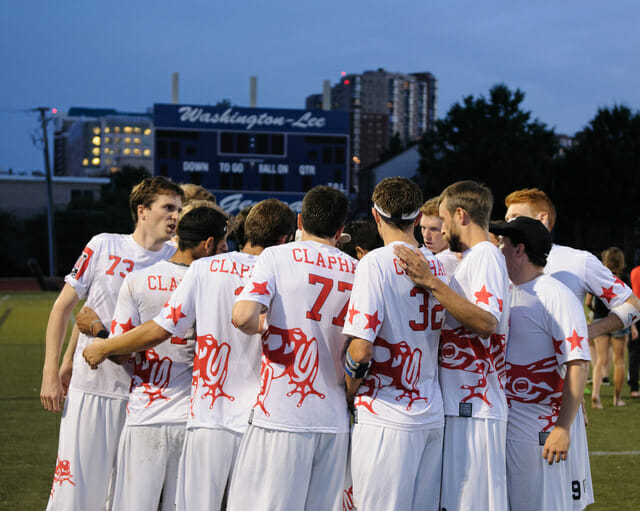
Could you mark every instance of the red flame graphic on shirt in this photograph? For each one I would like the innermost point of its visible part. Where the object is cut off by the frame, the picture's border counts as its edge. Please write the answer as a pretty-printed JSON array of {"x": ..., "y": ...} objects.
[
  {"x": 394, "y": 365},
  {"x": 463, "y": 351},
  {"x": 62, "y": 474},
  {"x": 152, "y": 374},
  {"x": 212, "y": 363},
  {"x": 298, "y": 357},
  {"x": 539, "y": 383},
  {"x": 347, "y": 499}
]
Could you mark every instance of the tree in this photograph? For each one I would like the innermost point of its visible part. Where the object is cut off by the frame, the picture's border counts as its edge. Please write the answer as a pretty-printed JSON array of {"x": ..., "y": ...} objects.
[
  {"x": 599, "y": 182},
  {"x": 493, "y": 141}
]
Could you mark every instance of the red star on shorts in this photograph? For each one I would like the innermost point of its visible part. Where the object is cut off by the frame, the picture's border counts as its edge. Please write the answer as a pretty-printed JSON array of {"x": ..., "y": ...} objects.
[
  {"x": 114, "y": 324},
  {"x": 260, "y": 288},
  {"x": 500, "y": 304},
  {"x": 238, "y": 290},
  {"x": 618, "y": 281},
  {"x": 372, "y": 321},
  {"x": 127, "y": 326},
  {"x": 608, "y": 294},
  {"x": 483, "y": 295},
  {"x": 575, "y": 340},
  {"x": 175, "y": 314},
  {"x": 557, "y": 345},
  {"x": 353, "y": 313}
]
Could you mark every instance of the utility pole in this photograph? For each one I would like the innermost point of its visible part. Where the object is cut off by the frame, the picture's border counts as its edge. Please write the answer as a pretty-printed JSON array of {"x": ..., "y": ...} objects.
[{"x": 47, "y": 165}]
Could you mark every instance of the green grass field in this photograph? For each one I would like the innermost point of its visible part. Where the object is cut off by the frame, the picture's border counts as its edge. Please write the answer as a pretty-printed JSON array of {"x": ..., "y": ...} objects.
[{"x": 29, "y": 434}]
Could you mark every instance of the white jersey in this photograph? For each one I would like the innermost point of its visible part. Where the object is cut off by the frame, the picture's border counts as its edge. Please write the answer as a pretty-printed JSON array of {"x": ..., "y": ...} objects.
[
  {"x": 583, "y": 273},
  {"x": 403, "y": 322},
  {"x": 226, "y": 371},
  {"x": 306, "y": 287},
  {"x": 161, "y": 381},
  {"x": 449, "y": 260},
  {"x": 472, "y": 369},
  {"x": 97, "y": 276},
  {"x": 547, "y": 330}
]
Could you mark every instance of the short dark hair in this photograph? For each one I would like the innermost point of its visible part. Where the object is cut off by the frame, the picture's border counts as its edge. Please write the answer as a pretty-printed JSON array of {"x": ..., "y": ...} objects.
[
  {"x": 364, "y": 233},
  {"x": 324, "y": 211},
  {"x": 397, "y": 196},
  {"x": 237, "y": 227},
  {"x": 147, "y": 191},
  {"x": 475, "y": 198},
  {"x": 200, "y": 224},
  {"x": 267, "y": 222}
]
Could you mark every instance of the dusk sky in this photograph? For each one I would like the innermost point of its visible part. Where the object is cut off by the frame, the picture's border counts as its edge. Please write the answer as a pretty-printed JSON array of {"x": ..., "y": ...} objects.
[{"x": 568, "y": 57}]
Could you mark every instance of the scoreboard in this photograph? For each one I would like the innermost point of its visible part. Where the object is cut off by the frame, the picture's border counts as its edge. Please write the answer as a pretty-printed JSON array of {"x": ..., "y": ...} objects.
[{"x": 244, "y": 155}]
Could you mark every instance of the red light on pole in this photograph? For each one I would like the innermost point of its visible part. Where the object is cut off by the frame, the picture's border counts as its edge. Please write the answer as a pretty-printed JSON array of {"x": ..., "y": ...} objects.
[
  {"x": 54, "y": 110},
  {"x": 347, "y": 82}
]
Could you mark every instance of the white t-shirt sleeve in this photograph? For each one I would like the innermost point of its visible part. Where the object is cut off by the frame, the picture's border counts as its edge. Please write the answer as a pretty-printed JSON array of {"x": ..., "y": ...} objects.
[
  {"x": 179, "y": 313},
  {"x": 486, "y": 284},
  {"x": 126, "y": 315},
  {"x": 261, "y": 285},
  {"x": 365, "y": 312},
  {"x": 568, "y": 329},
  {"x": 604, "y": 284},
  {"x": 81, "y": 276}
]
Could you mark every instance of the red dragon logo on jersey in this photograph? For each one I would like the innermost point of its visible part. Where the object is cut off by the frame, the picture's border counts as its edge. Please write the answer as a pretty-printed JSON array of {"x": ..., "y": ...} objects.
[
  {"x": 394, "y": 365},
  {"x": 62, "y": 474},
  {"x": 212, "y": 361},
  {"x": 299, "y": 357},
  {"x": 463, "y": 351},
  {"x": 347, "y": 499},
  {"x": 152, "y": 374},
  {"x": 539, "y": 383}
]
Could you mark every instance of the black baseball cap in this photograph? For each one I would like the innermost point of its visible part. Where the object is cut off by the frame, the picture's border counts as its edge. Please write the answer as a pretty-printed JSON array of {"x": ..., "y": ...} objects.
[{"x": 528, "y": 231}]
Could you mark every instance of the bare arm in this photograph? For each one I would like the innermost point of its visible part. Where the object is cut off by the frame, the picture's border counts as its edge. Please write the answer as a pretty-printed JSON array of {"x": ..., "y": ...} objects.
[
  {"x": 611, "y": 322},
  {"x": 472, "y": 317},
  {"x": 246, "y": 316},
  {"x": 66, "y": 367},
  {"x": 361, "y": 351},
  {"x": 51, "y": 391},
  {"x": 557, "y": 445},
  {"x": 141, "y": 338}
]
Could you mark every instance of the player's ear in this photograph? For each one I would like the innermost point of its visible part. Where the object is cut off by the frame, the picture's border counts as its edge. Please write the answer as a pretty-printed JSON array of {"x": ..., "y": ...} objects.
[
  {"x": 416, "y": 222},
  {"x": 140, "y": 211},
  {"x": 299, "y": 224},
  {"x": 360, "y": 252},
  {"x": 209, "y": 246},
  {"x": 376, "y": 215},
  {"x": 544, "y": 218},
  {"x": 283, "y": 239}
]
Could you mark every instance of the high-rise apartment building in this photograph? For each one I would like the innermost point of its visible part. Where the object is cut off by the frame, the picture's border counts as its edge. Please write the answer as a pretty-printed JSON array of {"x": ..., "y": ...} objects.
[
  {"x": 98, "y": 141},
  {"x": 383, "y": 104}
]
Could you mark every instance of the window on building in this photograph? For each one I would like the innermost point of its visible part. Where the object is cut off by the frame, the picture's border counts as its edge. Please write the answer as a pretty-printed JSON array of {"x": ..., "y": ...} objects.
[{"x": 126, "y": 151}]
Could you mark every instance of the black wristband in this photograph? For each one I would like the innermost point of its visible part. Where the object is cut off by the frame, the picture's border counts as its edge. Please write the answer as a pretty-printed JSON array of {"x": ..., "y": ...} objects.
[{"x": 103, "y": 334}]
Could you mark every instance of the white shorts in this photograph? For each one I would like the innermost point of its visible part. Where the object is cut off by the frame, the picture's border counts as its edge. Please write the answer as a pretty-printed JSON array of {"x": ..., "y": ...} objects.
[
  {"x": 347, "y": 492},
  {"x": 474, "y": 474},
  {"x": 148, "y": 467},
  {"x": 89, "y": 433},
  {"x": 394, "y": 469},
  {"x": 532, "y": 483},
  {"x": 206, "y": 464},
  {"x": 283, "y": 471},
  {"x": 580, "y": 484}
]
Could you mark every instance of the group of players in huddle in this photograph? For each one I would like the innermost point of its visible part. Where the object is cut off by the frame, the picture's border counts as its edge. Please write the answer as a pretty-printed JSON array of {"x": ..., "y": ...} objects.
[{"x": 288, "y": 375}]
